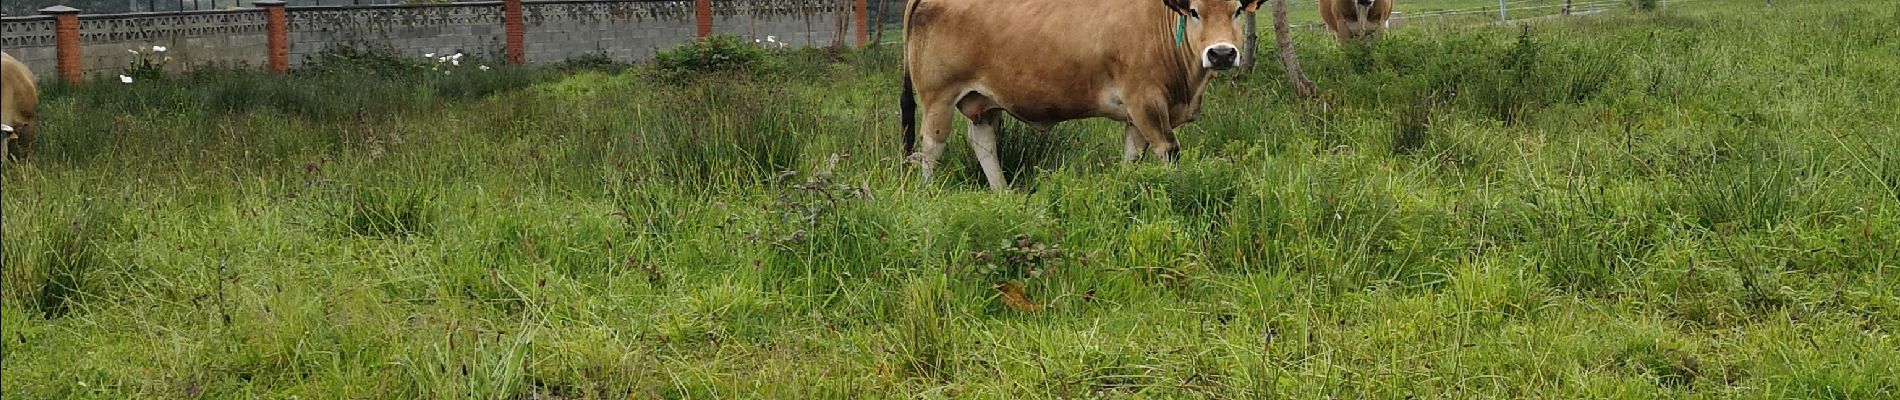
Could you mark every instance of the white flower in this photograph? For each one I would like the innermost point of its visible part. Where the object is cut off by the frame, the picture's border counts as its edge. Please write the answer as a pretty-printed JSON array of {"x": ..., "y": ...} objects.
[
  {"x": 6, "y": 128},
  {"x": 160, "y": 49},
  {"x": 771, "y": 39},
  {"x": 484, "y": 68},
  {"x": 457, "y": 56},
  {"x": 428, "y": 55},
  {"x": 133, "y": 51},
  {"x": 125, "y": 79},
  {"x": 455, "y": 61}
]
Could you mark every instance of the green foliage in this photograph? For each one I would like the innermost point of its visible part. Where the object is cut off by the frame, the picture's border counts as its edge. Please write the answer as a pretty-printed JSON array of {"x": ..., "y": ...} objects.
[
  {"x": 714, "y": 54},
  {"x": 363, "y": 58}
]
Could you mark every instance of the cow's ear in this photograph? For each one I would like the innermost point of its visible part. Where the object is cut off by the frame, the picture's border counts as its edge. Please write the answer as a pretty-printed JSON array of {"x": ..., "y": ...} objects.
[
  {"x": 1179, "y": 6},
  {"x": 1251, "y": 5}
]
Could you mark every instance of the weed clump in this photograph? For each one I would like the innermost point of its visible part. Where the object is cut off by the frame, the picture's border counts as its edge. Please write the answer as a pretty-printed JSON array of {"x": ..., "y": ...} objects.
[
  {"x": 362, "y": 58},
  {"x": 377, "y": 212},
  {"x": 712, "y": 54},
  {"x": 74, "y": 255}
]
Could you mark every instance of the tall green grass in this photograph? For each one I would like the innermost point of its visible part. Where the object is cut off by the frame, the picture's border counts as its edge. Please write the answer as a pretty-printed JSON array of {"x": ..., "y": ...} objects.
[{"x": 1696, "y": 202}]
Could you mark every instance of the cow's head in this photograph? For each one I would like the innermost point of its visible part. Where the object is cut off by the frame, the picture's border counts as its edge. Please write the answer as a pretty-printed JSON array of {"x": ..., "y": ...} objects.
[{"x": 1213, "y": 28}]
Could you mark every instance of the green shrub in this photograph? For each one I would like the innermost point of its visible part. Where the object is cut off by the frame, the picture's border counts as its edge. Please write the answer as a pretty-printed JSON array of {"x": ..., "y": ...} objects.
[
  {"x": 363, "y": 58},
  {"x": 599, "y": 62},
  {"x": 711, "y": 54}
]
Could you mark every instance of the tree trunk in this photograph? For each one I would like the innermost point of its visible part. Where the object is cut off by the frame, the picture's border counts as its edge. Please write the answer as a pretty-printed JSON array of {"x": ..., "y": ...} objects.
[
  {"x": 1283, "y": 40},
  {"x": 877, "y": 21},
  {"x": 1252, "y": 30},
  {"x": 844, "y": 24}
]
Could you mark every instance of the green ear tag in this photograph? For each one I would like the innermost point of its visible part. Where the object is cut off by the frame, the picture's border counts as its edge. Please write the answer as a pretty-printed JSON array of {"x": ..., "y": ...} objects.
[{"x": 1180, "y": 32}]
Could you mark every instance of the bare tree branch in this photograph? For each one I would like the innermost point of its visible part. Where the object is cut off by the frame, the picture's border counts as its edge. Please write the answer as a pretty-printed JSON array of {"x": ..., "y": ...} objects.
[{"x": 1283, "y": 39}]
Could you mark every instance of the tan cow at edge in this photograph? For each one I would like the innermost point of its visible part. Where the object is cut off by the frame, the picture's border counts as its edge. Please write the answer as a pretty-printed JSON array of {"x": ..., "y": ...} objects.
[
  {"x": 1142, "y": 62},
  {"x": 1352, "y": 19},
  {"x": 19, "y": 104}
]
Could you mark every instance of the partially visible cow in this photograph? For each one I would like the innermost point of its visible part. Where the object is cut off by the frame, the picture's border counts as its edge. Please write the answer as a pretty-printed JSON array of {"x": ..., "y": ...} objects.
[
  {"x": 1142, "y": 62},
  {"x": 19, "y": 106},
  {"x": 1353, "y": 19}
]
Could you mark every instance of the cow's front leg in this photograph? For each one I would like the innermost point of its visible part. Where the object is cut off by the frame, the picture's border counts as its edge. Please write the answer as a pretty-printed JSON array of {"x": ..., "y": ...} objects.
[
  {"x": 1151, "y": 118},
  {"x": 1132, "y": 143}
]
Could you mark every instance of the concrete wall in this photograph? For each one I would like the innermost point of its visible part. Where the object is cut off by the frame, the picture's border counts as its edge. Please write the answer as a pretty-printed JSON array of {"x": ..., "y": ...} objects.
[
  {"x": 193, "y": 39},
  {"x": 625, "y": 31},
  {"x": 469, "y": 28},
  {"x": 30, "y": 39},
  {"x": 552, "y": 31},
  {"x": 795, "y": 22}
]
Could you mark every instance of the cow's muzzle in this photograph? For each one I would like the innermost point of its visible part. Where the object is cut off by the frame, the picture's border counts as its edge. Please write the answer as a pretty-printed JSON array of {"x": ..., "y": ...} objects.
[{"x": 1221, "y": 56}]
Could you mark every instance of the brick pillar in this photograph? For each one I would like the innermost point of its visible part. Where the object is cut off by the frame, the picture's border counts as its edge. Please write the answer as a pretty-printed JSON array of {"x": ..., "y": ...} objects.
[
  {"x": 517, "y": 37},
  {"x": 702, "y": 13},
  {"x": 66, "y": 40},
  {"x": 277, "y": 32},
  {"x": 864, "y": 24}
]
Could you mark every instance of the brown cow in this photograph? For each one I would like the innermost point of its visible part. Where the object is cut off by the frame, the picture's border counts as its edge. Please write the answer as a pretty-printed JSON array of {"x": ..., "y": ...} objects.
[
  {"x": 1352, "y": 19},
  {"x": 1142, "y": 62},
  {"x": 19, "y": 105}
]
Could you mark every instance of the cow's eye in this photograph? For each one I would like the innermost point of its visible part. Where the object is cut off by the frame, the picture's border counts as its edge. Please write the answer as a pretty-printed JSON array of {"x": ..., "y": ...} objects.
[{"x": 1193, "y": 14}]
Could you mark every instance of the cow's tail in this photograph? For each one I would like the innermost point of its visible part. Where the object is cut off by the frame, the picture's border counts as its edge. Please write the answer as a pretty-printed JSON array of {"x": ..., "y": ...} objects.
[
  {"x": 907, "y": 102},
  {"x": 908, "y": 106}
]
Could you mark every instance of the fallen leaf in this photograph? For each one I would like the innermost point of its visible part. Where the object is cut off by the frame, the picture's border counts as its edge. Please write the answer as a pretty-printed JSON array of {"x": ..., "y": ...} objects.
[{"x": 1014, "y": 297}]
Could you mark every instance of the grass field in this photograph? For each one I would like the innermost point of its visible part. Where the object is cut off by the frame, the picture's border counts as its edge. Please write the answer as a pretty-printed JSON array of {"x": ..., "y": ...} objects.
[{"x": 1702, "y": 202}]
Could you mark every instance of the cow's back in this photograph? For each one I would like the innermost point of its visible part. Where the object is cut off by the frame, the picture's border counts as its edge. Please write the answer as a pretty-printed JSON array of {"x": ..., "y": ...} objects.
[
  {"x": 19, "y": 97},
  {"x": 1042, "y": 60}
]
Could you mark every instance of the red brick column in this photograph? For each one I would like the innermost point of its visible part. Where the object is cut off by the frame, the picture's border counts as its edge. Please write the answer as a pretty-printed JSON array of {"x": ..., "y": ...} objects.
[
  {"x": 702, "y": 13},
  {"x": 864, "y": 24},
  {"x": 66, "y": 43},
  {"x": 517, "y": 51},
  {"x": 277, "y": 32}
]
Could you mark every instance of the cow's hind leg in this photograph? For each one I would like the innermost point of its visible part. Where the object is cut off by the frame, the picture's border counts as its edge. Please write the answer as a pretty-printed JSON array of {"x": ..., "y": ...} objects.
[
  {"x": 935, "y": 131},
  {"x": 983, "y": 143}
]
